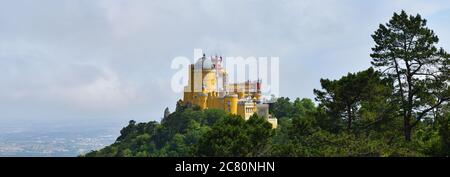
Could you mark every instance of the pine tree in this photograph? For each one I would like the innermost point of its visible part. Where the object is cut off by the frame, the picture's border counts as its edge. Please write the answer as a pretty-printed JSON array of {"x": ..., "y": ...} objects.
[{"x": 405, "y": 51}]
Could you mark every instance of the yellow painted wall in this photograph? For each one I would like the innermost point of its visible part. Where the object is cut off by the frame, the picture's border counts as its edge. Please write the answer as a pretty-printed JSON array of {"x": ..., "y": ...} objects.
[
  {"x": 208, "y": 97},
  {"x": 231, "y": 102}
]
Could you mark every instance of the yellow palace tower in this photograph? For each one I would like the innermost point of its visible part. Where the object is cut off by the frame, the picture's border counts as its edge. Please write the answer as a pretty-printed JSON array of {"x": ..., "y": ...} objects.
[{"x": 208, "y": 88}]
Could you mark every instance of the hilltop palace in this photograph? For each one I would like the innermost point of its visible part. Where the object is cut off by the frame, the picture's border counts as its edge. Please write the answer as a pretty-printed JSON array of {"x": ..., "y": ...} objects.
[{"x": 208, "y": 87}]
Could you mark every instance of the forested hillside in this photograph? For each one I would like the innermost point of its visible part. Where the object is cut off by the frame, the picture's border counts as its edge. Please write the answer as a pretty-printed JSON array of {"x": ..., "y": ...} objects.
[
  {"x": 304, "y": 130},
  {"x": 398, "y": 107}
]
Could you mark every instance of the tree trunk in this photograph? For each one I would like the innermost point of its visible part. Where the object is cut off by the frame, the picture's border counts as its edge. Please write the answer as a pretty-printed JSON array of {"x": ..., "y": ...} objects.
[
  {"x": 407, "y": 128},
  {"x": 350, "y": 117}
]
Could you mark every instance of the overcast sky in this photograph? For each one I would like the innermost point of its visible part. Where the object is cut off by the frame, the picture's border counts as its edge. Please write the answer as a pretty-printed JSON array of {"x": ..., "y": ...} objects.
[{"x": 110, "y": 59}]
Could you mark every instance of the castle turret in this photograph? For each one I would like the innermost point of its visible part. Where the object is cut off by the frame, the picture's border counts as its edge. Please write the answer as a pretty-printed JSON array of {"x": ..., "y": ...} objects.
[{"x": 231, "y": 103}]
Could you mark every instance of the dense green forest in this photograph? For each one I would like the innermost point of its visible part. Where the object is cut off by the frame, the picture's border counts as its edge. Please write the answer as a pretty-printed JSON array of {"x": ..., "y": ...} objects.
[{"x": 397, "y": 107}]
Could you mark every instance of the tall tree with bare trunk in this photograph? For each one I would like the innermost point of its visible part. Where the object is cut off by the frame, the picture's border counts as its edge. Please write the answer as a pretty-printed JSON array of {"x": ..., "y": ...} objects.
[{"x": 405, "y": 51}]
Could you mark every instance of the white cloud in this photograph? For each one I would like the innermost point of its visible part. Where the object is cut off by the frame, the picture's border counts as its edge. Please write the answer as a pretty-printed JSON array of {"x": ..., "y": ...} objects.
[{"x": 106, "y": 92}]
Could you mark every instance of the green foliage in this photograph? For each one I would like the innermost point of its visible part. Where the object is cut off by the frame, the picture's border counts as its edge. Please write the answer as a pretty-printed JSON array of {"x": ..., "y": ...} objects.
[
  {"x": 176, "y": 135},
  {"x": 326, "y": 144},
  {"x": 433, "y": 136},
  {"x": 356, "y": 100},
  {"x": 226, "y": 137},
  {"x": 309, "y": 135},
  {"x": 192, "y": 132},
  {"x": 282, "y": 108},
  {"x": 187, "y": 132},
  {"x": 233, "y": 137}
]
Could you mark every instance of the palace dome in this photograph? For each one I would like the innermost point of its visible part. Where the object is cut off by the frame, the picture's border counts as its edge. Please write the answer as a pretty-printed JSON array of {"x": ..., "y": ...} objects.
[{"x": 207, "y": 63}]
